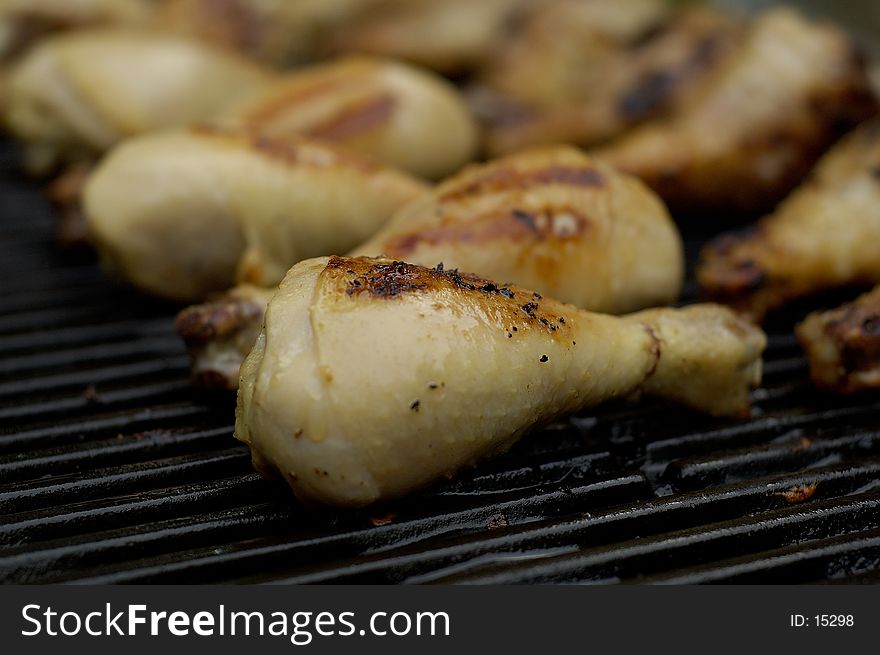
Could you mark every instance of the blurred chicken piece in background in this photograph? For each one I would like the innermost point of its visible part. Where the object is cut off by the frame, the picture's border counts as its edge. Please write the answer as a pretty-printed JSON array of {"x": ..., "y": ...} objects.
[
  {"x": 281, "y": 33},
  {"x": 583, "y": 72},
  {"x": 22, "y": 22},
  {"x": 759, "y": 124},
  {"x": 398, "y": 114},
  {"x": 73, "y": 96},
  {"x": 843, "y": 345},
  {"x": 448, "y": 36}
]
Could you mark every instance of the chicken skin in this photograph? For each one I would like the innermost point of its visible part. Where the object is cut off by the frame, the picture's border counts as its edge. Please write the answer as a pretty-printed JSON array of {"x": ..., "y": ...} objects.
[
  {"x": 580, "y": 75},
  {"x": 843, "y": 345},
  {"x": 825, "y": 235},
  {"x": 23, "y": 22},
  {"x": 279, "y": 32},
  {"x": 757, "y": 127},
  {"x": 449, "y": 36},
  {"x": 373, "y": 377},
  {"x": 75, "y": 95},
  {"x": 550, "y": 219},
  {"x": 219, "y": 334},
  {"x": 186, "y": 213},
  {"x": 395, "y": 113}
]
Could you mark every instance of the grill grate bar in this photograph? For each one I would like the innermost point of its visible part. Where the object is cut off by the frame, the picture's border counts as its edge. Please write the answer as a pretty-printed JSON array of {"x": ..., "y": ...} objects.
[
  {"x": 607, "y": 527},
  {"x": 633, "y": 559},
  {"x": 87, "y": 334},
  {"x": 471, "y": 517},
  {"x": 29, "y": 301},
  {"x": 841, "y": 556},
  {"x": 115, "y": 481},
  {"x": 123, "y": 449},
  {"x": 755, "y": 431},
  {"x": 144, "y": 508},
  {"x": 56, "y": 316},
  {"x": 88, "y": 401},
  {"x": 113, "y": 470},
  {"x": 55, "y": 565},
  {"x": 129, "y": 421},
  {"x": 701, "y": 472},
  {"x": 146, "y": 347},
  {"x": 83, "y": 378}
]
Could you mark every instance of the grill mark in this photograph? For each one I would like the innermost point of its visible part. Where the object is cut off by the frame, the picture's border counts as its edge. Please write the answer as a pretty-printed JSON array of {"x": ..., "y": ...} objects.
[
  {"x": 655, "y": 350},
  {"x": 271, "y": 105},
  {"x": 515, "y": 225},
  {"x": 506, "y": 179},
  {"x": 356, "y": 119},
  {"x": 657, "y": 87},
  {"x": 290, "y": 150}
]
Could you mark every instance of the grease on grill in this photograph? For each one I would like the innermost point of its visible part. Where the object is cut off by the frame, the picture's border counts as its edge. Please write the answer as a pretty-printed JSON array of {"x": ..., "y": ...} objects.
[
  {"x": 799, "y": 494},
  {"x": 378, "y": 521}
]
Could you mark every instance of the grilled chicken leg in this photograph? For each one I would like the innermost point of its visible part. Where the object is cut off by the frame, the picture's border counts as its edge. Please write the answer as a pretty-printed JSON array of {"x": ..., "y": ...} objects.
[
  {"x": 826, "y": 234},
  {"x": 843, "y": 345},
  {"x": 397, "y": 114},
  {"x": 183, "y": 214},
  {"x": 74, "y": 96},
  {"x": 758, "y": 126},
  {"x": 578, "y": 76},
  {"x": 551, "y": 219},
  {"x": 373, "y": 377}
]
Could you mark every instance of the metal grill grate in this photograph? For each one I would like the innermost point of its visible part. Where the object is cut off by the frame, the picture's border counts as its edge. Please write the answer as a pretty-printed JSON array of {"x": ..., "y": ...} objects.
[{"x": 112, "y": 469}]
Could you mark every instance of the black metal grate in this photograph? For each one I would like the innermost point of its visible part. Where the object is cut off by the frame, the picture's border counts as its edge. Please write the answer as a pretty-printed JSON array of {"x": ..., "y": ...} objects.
[{"x": 112, "y": 469}]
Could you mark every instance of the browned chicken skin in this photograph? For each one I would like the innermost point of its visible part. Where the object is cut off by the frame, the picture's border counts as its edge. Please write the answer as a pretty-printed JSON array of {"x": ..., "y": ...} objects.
[
  {"x": 550, "y": 219},
  {"x": 184, "y": 214},
  {"x": 65, "y": 195},
  {"x": 825, "y": 235},
  {"x": 579, "y": 81},
  {"x": 756, "y": 128},
  {"x": 843, "y": 345},
  {"x": 219, "y": 334},
  {"x": 373, "y": 377},
  {"x": 395, "y": 113}
]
